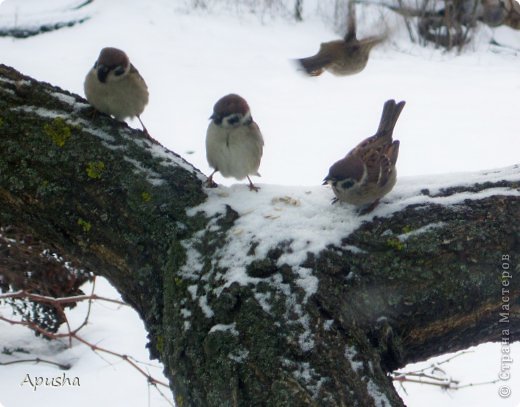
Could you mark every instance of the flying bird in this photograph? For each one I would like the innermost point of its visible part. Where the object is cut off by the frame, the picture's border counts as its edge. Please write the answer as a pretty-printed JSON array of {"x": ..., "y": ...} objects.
[{"x": 347, "y": 56}]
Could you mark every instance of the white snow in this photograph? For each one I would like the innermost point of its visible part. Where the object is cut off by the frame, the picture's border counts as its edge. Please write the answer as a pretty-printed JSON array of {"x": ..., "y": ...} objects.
[
  {"x": 102, "y": 135},
  {"x": 231, "y": 328},
  {"x": 405, "y": 236},
  {"x": 270, "y": 216},
  {"x": 167, "y": 158},
  {"x": 380, "y": 399},
  {"x": 480, "y": 365},
  {"x": 7, "y": 80},
  {"x": 327, "y": 324},
  {"x": 307, "y": 281},
  {"x": 152, "y": 177},
  {"x": 40, "y": 111},
  {"x": 70, "y": 100},
  {"x": 239, "y": 356},
  {"x": 8, "y": 91},
  {"x": 303, "y": 219},
  {"x": 350, "y": 353},
  {"x": 460, "y": 118},
  {"x": 303, "y": 372}
]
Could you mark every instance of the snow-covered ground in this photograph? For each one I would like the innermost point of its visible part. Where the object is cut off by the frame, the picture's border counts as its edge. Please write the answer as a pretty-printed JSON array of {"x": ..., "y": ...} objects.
[{"x": 461, "y": 115}]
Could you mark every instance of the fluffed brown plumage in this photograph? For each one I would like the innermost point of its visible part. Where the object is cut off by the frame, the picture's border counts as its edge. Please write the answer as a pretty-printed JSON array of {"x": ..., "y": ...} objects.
[{"x": 367, "y": 172}]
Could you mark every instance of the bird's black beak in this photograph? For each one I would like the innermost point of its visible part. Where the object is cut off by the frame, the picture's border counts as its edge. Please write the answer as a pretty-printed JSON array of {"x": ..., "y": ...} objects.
[
  {"x": 102, "y": 73},
  {"x": 325, "y": 181}
]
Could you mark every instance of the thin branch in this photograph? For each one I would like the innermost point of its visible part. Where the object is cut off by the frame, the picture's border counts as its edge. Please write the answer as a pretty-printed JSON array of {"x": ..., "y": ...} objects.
[
  {"x": 126, "y": 358},
  {"x": 445, "y": 384},
  {"x": 34, "y": 327},
  {"x": 441, "y": 379},
  {"x": 162, "y": 394},
  {"x": 407, "y": 24},
  {"x": 478, "y": 384},
  {"x": 57, "y": 300},
  {"x": 89, "y": 307},
  {"x": 37, "y": 360}
]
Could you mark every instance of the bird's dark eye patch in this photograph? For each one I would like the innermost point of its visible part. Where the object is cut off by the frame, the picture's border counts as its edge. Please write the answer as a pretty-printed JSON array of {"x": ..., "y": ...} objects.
[
  {"x": 347, "y": 184},
  {"x": 232, "y": 120},
  {"x": 119, "y": 71}
]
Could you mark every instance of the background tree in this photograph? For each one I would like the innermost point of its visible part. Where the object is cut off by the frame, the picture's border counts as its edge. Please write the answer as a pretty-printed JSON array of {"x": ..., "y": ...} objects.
[{"x": 449, "y": 24}]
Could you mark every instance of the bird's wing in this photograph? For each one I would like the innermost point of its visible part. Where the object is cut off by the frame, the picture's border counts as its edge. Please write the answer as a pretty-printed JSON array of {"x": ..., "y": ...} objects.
[
  {"x": 387, "y": 162},
  {"x": 351, "y": 21},
  {"x": 134, "y": 70},
  {"x": 371, "y": 157}
]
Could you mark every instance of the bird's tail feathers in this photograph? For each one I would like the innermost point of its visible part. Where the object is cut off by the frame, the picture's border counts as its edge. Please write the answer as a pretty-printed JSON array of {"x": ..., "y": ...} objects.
[
  {"x": 313, "y": 65},
  {"x": 391, "y": 112}
]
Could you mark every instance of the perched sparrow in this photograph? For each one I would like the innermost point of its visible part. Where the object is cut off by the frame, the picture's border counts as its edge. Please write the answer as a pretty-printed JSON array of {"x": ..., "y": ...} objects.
[
  {"x": 367, "y": 173},
  {"x": 342, "y": 57},
  {"x": 113, "y": 86},
  {"x": 234, "y": 144}
]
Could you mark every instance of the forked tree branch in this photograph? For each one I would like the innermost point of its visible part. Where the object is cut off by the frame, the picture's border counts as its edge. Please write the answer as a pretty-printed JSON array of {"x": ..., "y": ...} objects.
[{"x": 424, "y": 278}]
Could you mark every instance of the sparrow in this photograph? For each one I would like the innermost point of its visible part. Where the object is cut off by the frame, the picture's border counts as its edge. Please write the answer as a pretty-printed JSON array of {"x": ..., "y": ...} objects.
[
  {"x": 234, "y": 144},
  {"x": 347, "y": 56},
  {"x": 367, "y": 172},
  {"x": 113, "y": 86}
]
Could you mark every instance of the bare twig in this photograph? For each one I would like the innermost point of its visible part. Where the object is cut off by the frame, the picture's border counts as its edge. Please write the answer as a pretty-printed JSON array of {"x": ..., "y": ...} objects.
[
  {"x": 55, "y": 300},
  {"x": 89, "y": 308},
  {"x": 435, "y": 377},
  {"x": 449, "y": 384},
  {"x": 407, "y": 24},
  {"x": 37, "y": 360},
  {"x": 126, "y": 358},
  {"x": 470, "y": 26}
]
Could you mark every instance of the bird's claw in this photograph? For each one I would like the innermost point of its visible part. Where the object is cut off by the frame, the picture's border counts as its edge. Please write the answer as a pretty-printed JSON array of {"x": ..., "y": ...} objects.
[
  {"x": 211, "y": 184},
  {"x": 369, "y": 208}
]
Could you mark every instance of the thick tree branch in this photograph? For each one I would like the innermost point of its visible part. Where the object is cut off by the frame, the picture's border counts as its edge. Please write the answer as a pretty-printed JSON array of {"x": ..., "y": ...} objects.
[
  {"x": 108, "y": 190},
  {"x": 250, "y": 326}
]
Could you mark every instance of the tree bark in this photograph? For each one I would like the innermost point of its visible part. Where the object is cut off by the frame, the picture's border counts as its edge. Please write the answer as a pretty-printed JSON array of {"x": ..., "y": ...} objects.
[{"x": 427, "y": 280}]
